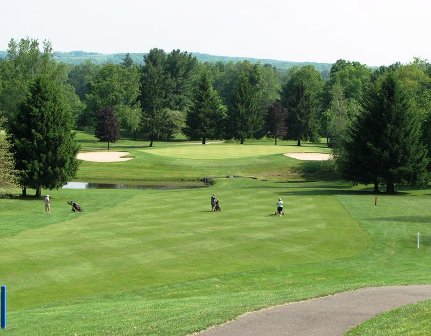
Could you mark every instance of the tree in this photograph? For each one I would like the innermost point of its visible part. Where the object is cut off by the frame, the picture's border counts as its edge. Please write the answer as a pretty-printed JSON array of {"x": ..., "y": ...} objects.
[
  {"x": 301, "y": 96},
  {"x": 385, "y": 146},
  {"x": 264, "y": 89},
  {"x": 344, "y": 90},
  {"x": 153, "y": 93},
  {"x": 107, "y": 126},
  {"x": 245, "y": 115},
  {"x": 353, "y": 77},
  {"x": 80, "y": 76},
  {"x": 206, "y": 114},
  {"x": 24, "y": 62},
  {"x": 179, "y": 68},
  {"x": 415, "y": 81},
  {"x": 127, "y": 61},
  {"x": 276, "y": 121},
  {"x": 116, "y": 87},
  {"x": 42, "y": 140},
  {"x": 339, "y": 117},
  {"x": 8, "y": 179}
]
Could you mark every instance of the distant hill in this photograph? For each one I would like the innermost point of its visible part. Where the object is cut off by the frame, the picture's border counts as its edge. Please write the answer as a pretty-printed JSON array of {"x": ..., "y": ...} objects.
[{"x": 78, "y": 57}]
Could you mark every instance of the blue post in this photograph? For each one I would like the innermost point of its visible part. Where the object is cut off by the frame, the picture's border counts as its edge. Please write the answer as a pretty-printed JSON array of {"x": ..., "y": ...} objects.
[{"x": 3, "y": 307}]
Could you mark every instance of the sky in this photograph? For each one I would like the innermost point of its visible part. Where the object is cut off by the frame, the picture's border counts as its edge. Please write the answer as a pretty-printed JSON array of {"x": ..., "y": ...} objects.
[{"x": 373, "y": 32}]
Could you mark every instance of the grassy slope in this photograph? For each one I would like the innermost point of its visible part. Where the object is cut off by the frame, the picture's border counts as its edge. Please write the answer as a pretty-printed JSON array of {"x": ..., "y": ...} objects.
[{"x": 151, "y": 262}]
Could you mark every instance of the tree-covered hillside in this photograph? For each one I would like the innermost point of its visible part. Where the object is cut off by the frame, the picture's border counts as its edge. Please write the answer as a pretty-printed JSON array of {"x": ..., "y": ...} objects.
[{"x": 78, "y": 57}]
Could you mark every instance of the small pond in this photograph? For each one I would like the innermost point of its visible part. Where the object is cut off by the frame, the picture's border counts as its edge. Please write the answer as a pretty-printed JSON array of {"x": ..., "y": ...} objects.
[{"x": 90, "y": 185}]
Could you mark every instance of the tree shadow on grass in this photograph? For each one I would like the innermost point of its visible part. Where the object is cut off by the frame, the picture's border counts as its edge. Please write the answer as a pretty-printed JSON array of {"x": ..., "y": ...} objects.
[{"x": 23, "y": 198}]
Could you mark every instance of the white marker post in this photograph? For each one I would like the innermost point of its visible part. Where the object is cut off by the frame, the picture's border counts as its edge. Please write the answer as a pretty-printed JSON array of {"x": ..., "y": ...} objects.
[{"x": 418, "y": 240}]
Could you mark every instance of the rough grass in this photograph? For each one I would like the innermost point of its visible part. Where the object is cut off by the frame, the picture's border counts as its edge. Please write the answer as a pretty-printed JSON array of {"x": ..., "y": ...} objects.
[{"x": 405, "y": 321}]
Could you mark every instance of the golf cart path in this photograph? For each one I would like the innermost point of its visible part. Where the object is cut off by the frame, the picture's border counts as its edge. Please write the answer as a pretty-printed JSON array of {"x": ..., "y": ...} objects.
[{"x": 330, "y": 315}]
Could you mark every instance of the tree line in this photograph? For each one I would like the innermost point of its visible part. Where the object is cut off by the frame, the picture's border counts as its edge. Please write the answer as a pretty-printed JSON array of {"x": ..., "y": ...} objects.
[{"x": 376, "y": 120}]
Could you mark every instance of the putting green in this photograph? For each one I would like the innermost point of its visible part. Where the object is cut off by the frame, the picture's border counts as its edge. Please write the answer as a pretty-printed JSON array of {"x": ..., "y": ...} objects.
[{"x": 225, "y": 151}]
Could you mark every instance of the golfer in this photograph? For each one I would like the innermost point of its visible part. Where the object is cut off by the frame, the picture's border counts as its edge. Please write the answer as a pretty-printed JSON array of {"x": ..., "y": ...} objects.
[
  {"x": 280, "y": 207},
  {"x": 47, "y": 203},
  {"x": 213, "y": 202}
]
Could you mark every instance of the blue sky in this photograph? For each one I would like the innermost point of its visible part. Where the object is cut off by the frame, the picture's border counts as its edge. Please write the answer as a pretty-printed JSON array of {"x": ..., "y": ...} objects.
[{"x": 375, "y": 32}]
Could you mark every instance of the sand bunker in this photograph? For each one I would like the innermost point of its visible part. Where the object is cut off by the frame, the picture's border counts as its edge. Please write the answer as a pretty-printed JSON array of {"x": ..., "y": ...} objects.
[
  {"x": 104, "y": 156},
  {"x": 309, "y": 156}
]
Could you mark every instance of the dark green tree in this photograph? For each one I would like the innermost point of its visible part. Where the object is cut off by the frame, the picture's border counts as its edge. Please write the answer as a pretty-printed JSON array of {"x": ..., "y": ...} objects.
[
  {"x": 301, "y": 95},
  {"x": 276, "y": 121},
  {"x": 42, "y": 139},
  {"x": 246, "y": 119},
  {"x": 127, "y": 61},
  {"x": 180, "y": 69},
  {"x": 415, "y": 81},
  {"x": 206, "y": 115},
  {"x": 153, "y": 93},
  {"x": 81, "y": 75},
  {"x": 107, "y": 128},
  {"x": 385, "y": 145}
]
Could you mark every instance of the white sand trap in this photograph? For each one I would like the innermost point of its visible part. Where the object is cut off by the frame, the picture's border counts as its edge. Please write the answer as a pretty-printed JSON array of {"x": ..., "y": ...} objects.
[
  {"x": 309, "y": 156},
  {"x": 104, "y": 156}
]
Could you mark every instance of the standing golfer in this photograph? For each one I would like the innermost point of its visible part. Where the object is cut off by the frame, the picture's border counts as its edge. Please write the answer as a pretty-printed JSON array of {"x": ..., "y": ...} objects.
[
  {"x": 47, "y": 204},
  {"x": 280, "y": 207}
]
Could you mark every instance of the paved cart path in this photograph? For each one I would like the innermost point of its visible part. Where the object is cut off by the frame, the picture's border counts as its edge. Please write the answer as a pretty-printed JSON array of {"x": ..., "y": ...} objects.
[{"x": 330, "y": 315}]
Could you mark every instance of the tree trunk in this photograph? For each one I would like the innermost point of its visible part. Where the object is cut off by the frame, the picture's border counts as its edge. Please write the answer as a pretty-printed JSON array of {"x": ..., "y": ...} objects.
[
  {"x": 24, "y": 191},
  {"x": 203, "y": 141},
  {"x": 299, "y": 142},
  {"x": 242, "y": 141},
  {"x": 151, "y": 142},
  {"x": 38, "y": 192},
  {"x": 275, "y": 141},
  {"x": 376, "y": 187},
  {"x": 390, "y": 187},
  {"x": 108, "y": 145}
]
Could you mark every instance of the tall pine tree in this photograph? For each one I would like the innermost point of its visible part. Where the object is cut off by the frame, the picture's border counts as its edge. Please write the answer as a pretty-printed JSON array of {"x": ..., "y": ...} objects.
[
  {"x": 153, "y": 93},
  {"x": 246, "y": 117},
  {"x": 385, "y": 147},
  {"x": 206, "y": 115},
  {"x": 301, "y": 96},
  {"x": 42, "y": 138}
]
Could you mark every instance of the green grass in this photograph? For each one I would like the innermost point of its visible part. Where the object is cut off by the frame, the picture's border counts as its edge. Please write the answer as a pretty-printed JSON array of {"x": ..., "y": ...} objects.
[
  {"x": 405, "y": 321},
  {"x": 158, "y": 262},
  {"x": 183, "y": 161}
]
